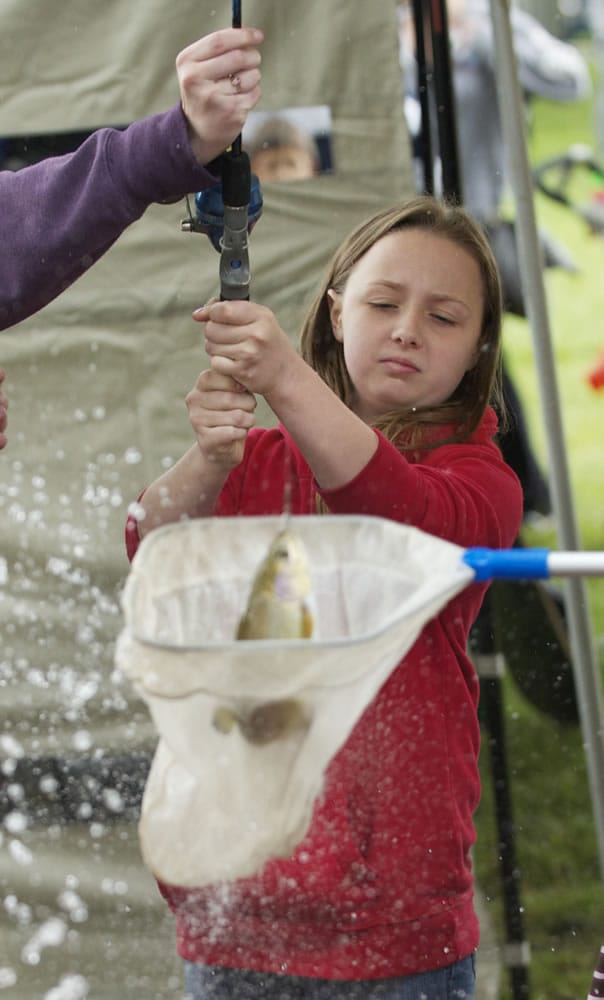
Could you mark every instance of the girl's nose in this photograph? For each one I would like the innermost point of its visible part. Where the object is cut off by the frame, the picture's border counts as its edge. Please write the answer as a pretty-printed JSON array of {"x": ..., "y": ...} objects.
[{"x": 406, "y": 330}]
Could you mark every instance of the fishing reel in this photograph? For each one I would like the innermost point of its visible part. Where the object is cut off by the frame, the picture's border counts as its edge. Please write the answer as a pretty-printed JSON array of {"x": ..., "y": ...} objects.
[
  {"x": 209, "y": 213},
  {"x": 227, "y": 213}
]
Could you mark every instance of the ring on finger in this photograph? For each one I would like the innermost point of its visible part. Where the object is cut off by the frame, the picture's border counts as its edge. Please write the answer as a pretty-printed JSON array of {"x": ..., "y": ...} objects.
[{"x": 235, "y": 81}]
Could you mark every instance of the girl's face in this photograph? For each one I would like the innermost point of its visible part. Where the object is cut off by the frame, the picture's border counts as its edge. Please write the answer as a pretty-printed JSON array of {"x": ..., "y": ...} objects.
[{"x": 409, "y": 320}]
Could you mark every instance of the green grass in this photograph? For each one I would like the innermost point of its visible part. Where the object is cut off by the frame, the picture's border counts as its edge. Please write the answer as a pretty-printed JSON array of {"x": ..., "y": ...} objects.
[{"x": 561, "y": 885}]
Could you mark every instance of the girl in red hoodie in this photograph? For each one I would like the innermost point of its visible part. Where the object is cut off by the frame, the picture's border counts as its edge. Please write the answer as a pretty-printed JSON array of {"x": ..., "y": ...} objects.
[{"x": 384, "y": 412}]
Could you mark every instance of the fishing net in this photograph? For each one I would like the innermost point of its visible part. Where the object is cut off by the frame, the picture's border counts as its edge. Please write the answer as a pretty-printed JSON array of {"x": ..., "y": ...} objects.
[{"x": 220, "y": 801}]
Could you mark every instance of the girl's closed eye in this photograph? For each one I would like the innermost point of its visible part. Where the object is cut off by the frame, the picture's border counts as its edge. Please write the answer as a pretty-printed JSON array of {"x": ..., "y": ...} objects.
[
  {"x": 447, "y": 320},
  {"x": 382, "y": 305}
]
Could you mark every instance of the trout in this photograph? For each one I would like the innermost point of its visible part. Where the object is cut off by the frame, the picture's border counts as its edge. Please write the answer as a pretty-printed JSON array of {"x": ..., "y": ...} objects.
[
  {"x": 278, "y": 603},
  {"x": 277, "y": 608}
]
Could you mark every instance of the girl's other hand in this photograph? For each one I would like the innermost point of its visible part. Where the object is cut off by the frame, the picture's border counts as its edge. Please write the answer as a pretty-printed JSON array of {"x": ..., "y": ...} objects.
[
  {"x": 244, "y": 341},
  {"x": 221, "y": 411}
]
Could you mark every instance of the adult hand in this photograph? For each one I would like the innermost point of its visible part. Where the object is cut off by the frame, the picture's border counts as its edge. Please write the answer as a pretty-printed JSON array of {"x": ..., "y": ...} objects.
[
  {"x": 3, "y": 411},
  {"x": 219, "y": 79},
  {"x": 221, "y": 412},
  {"x": 244, "y": 340}
]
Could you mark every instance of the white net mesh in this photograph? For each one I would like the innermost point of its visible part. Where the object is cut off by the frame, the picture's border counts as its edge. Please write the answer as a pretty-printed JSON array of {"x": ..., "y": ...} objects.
[{"x": 220, "y": 801}]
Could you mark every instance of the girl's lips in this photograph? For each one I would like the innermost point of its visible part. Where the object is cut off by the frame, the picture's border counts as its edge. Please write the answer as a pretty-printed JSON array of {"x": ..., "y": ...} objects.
[{"x": 400, "y": 366}]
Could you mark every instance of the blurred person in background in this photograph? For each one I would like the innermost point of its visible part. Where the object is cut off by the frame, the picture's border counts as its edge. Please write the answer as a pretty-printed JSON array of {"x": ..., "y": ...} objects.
[{"x": 282, "y": 151}]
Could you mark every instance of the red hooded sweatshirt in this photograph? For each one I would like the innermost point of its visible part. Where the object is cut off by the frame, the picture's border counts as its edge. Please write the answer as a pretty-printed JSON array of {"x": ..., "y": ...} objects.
[{"x": 381, "y": 886}]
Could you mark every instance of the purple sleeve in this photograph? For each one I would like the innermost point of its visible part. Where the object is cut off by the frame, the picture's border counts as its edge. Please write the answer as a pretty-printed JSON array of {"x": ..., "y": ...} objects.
[{"x": 60, "y": 215}]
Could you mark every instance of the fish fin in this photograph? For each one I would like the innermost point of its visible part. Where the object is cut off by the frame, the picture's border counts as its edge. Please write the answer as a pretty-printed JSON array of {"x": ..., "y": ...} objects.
[
  {"x": 273, "y": 720},
  {"x": 223, "y": 719}
]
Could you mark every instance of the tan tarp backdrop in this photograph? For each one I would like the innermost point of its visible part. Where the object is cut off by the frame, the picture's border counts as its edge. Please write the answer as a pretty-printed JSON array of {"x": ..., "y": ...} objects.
[{"x": 96, "y": 383}]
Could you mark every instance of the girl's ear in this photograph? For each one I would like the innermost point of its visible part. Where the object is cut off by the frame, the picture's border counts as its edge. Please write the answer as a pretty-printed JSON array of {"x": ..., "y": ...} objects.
[
  {"x": 334, "y": 300},
  {"x": 473, "y": 360},
  {"x": 480, "y": 347}
]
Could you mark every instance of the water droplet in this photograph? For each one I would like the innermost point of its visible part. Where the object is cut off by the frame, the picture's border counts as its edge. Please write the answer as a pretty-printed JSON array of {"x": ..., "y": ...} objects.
[
  {"x": 82, "y": 740},
  {"x": 15, "y": 822},
  {"x": 8, "y": 977},
  {"x": 132, "y": 456}
]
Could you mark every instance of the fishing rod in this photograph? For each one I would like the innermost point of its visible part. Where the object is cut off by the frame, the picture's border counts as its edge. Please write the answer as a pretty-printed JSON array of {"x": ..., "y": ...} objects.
[{"x": 228, "y": 211}]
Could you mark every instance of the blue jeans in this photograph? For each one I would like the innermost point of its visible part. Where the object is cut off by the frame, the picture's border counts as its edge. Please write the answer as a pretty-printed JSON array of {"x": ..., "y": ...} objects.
[{"x": 454, "y": 982}]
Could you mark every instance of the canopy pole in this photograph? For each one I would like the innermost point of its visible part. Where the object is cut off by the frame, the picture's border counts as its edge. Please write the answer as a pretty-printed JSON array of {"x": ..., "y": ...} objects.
[
  {"x": 446, "y": 113},
  {"x": 585, "y": 664},
  {"x": 423, "y": 90}
]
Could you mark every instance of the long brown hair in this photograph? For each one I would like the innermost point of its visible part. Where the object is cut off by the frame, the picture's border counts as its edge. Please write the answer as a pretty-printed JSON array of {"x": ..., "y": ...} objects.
[{"x": 463, "y": 411}]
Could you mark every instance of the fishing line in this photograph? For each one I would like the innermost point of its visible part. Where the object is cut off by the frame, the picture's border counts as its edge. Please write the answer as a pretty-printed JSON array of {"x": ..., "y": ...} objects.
[{"x": 236, "y": 23}]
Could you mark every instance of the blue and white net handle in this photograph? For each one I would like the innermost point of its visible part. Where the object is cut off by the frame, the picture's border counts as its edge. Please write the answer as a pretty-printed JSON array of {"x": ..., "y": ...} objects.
[{"x": 531, "y": 564}]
